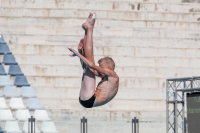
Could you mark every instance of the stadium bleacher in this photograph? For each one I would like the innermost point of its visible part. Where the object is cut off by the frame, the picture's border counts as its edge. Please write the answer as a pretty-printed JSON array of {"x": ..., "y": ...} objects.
[
  {"x": 27, "y": 92},
  {"x": 14, "y": 70},
  {"x": 48, "y": 126},
  {"x": 33, "y": 104},
  {"x": 1, "y": 131},
  {"x": 3, "y": 103},
  {"x": 4, "y": 49},
  {"x": 5, "y": 80},
  {"x": 41, "y": 115},
  {"x": 12, "y": 126},
  {"x": 10, "y": 91},
  {"x": 23, "y": 115},
  {"x": 21, "y": 81},
  {"x": 6, "y": 115},
  {"x": 16, "y": 99},
  {"x": 2, "y": 70},
  {"x": 9, "y": 59}
]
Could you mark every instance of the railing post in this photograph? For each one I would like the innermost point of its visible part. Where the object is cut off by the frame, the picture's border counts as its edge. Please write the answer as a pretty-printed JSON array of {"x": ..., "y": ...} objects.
[
  {"x": 132, "y": 125},
  {"x": 136, "y": 126},
  {"x": 185, "y": 124},
  {"x": 84, "y": 125},
  {"x": 30, "y": 122}
]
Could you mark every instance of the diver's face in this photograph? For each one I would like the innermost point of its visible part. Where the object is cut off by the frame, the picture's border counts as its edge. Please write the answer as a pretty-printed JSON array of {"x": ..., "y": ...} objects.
[{"x": 102, "y": 65}]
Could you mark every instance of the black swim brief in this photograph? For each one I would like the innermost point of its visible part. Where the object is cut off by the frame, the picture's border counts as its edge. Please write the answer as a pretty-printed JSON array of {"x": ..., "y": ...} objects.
[{"x": 88, "y": 103}]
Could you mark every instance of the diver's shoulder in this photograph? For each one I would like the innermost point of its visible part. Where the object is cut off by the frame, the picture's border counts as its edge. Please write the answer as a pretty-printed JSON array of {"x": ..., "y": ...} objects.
[{"x": 114, "y": 75}]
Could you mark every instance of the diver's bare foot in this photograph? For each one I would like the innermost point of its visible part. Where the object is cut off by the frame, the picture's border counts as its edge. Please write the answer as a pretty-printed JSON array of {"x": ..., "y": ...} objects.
[{"x": 90, "y": 21}]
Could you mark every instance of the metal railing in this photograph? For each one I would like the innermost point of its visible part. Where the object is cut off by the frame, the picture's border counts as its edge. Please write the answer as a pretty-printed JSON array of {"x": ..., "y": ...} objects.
[
  {"x": 135, "y": 124},
  {"x": 31, "y": 125},
  {"x": 84, "y": 125}
]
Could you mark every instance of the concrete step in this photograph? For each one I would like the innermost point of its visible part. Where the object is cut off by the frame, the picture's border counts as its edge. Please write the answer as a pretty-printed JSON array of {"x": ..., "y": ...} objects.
[
  {"x": 103, "y": 115},
  {"x": 70, "y": 17},
  {"x": 99, "y": 5},
  {"x": 125, "y": 127},
  {"x": 120, "y": 61},
  {"x": 123, "y": 93},
  {"x": 131, "y": 51},
  {"x": 146, "y": 1},
  {"x": 105, "y": 32},
  {"x": 140, "y": 72},
  {"x": 64, "y": 51},
  {"x": 14, "y": 39},
  {"x": 60, "y": 82},
  {"x": 106, "y": 24},
  {"x": 120, "y": 105},
  {"x": 103, "y": 23},
  {"x": 158, "y": 1},
  {"x": 130, "y": 72},
  {"x": 111, "y": 127}
]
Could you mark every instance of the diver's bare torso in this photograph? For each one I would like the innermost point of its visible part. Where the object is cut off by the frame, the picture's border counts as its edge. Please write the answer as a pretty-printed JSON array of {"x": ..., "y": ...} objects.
[{"x": 106, "y": 90}]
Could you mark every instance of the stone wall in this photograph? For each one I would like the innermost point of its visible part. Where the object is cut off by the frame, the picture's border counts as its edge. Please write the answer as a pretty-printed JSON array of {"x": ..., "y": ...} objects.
[{"x": 150, "y": 40}]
